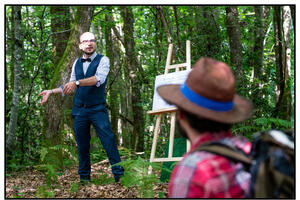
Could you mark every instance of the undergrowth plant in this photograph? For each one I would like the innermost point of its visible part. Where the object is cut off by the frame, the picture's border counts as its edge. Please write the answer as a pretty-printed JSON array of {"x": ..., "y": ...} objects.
[
  {"x": 74, "y": 188},
  {"x": 44, "y": 192},
  {"x": 103, "y": 179},
  {"x": 262, "y": 124},
  {"x": 50, "y": 166},
  {"x": 136, "y": 175}
]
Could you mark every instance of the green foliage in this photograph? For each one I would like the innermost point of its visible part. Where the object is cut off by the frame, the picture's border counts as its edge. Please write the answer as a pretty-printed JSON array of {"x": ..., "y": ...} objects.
[
  {"x": 123, "y": 151},
  {"x": 262, "y": 124},
  {"x": 44, "y": 192},
  {"x": 98, "y": 155},
  {"x": 136, "y": 174},
  {"x": 17, "y": 192},
  {"x": 50, "y": 172},
  {"x": 11, "y": 165},
  {"x": 273, "y": 123},
  {"x": 103, "y": 179},
  {"x": 74, "y": 187},
  {"x": 48, "y": 166},
  {"x": 44, "y": 152}
]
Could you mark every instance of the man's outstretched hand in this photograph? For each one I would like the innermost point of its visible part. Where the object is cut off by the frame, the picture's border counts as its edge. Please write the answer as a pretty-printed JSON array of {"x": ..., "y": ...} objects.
[{"x": 45, "y": 94}]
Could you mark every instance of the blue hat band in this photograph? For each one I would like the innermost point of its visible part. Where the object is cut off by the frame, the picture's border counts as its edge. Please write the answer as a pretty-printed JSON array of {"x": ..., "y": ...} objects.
[{"x": 205, "y": 102}]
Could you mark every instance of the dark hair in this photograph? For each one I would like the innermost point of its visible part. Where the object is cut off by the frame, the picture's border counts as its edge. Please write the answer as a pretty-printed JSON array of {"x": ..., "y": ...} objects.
[{"x": 204, "y": 124}]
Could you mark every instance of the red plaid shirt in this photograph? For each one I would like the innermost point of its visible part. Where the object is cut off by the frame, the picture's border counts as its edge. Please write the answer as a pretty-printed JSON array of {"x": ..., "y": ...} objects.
[{"x": 202, "y": 174}]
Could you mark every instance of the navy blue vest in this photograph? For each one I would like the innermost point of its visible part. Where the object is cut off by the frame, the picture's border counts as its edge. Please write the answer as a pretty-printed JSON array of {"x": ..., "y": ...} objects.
[{"x": 89, "y": 95}]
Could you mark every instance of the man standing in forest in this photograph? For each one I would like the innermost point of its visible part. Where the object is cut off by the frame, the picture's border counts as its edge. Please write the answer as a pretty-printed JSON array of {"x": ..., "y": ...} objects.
[
  {"x": 207, "y": 107},
  {"x": 88, "y": 78}
]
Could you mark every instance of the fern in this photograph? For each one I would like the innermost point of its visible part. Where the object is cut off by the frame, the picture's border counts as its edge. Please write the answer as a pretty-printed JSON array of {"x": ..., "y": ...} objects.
[
  {"x": 44, "y": 152},
  {"x": 273, "y": 123},
  {"x": 74, "y": 188},
  {"x": 244, "y": 129},
  {"x": 262, "y": 124},
  {"x": 44, "y": 192},
  {"x": 136, "y": 174},
  {"x": 103, "y": 179},
  {"x": 50, "y": 172}
]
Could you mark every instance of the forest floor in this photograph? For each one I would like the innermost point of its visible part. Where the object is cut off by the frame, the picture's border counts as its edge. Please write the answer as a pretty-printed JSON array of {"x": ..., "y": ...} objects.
[{"x": 32, "y": 184}]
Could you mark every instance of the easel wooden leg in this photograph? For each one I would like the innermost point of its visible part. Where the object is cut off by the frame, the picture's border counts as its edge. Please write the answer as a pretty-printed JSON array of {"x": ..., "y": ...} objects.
[
  {"x": 172, "y": 131},
  {"x": 153, "y": 149},
  {"x": 156, "y": 131}
]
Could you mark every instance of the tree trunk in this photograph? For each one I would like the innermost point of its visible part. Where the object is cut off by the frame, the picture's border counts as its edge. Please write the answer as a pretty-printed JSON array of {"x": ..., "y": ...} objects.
[
  {"x": 9, "y": 77},
  {"x": 283, "y": 60},
  {"x": 233, "y": 30},
  {"x": 209, "y": 30},
  {"x": 12, "y": 47},
  {"x": 258, "y": 55},
  {"x": 18, "y": 56},
  {"x": 177, "y": 29},
  {"x": 60, "y": 21},
  {"x": 131, "y": 59},
  {"x": 165, "y": 24},
  {"x": 54, "y": 108},
  {"x": 287, "y": 96},
  {"x": 287, "y": 64},
  {"x": 278, "y": 55},
  {"x": 113, "y": 55},
  {"x": 125, "y": 124},
  {"x": 292, "y": 8}
]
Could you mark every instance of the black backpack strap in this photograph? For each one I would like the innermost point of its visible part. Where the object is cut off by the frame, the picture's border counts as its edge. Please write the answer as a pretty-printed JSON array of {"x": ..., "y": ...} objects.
[{"x": 226, "y": 151}]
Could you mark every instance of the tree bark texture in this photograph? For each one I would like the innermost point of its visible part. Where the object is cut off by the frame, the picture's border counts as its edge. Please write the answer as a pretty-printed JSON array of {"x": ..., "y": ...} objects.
[
  {"x": 209, "y": 30},
  {"x": 233, "y": 30},
  {"x": 283, "y": 106},
  {"x": 12, "y": 47},
  {"x": 111, "y": 53},
  {"x": 258, "y": 55},
  {"x": 292, "y": 8},
  {"x": 60, "y": 21},
  {"x": 282, "y": 109},
  {"x": 18, "y": 56},
  {"x": 165, "y": 24},
  {"x": 137, "y": 110}
]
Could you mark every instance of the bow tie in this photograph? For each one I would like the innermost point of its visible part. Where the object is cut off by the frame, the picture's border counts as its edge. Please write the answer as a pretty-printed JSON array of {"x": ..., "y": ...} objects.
[{"x": 83, "y": 60}]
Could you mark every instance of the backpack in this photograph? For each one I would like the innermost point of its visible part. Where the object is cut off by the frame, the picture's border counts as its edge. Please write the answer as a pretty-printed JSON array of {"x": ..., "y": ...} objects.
[{"x": 271, "y": 163}]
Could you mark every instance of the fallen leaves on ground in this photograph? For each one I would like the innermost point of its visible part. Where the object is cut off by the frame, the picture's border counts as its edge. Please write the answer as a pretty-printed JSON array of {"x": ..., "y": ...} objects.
[{"x": 26, "y": 184}]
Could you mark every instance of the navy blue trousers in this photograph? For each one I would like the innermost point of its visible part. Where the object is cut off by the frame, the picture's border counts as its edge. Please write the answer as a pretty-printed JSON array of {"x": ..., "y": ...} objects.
[{"x": 98, "y": 117}]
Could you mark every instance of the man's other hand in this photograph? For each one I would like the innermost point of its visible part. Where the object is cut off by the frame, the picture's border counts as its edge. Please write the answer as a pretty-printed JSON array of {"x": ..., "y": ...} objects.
[
  {"x": 45, "y": 94},
  {"x": 69, "y": 87}
]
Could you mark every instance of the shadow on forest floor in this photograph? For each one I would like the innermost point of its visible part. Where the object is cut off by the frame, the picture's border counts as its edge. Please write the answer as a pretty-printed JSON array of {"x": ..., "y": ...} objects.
[{"x": 32, "y": 184}]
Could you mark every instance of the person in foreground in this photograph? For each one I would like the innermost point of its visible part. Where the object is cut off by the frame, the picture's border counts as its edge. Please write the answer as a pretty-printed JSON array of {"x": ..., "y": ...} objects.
[
  {"x": 207, "y": 107},
  {"x": 88, "y": 78}
]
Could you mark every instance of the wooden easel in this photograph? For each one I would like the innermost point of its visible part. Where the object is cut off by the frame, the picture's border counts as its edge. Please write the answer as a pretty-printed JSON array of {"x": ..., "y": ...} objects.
[{"x": 171, "y": 111}]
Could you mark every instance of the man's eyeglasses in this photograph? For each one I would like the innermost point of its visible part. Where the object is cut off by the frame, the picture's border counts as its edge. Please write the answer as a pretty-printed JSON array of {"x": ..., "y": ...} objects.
[{"x": 86, "y": 41}]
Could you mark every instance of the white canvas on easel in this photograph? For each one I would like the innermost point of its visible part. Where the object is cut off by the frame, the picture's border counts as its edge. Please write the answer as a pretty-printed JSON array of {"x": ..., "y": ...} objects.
[
  {"x": 161, "y": 107},
  {"x": 171, "y": 78}
]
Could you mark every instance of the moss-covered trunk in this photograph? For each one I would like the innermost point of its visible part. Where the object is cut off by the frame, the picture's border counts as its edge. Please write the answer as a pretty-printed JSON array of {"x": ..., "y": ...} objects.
[
  {"x": 234, "y": 35},
  {"x": 113, "y": 54},
  {"x": 282, "y": 25},
  {"x": 60, "y": 27},
  {"x": 257, "y": 60},
  {"x": 137, "y": 141},
  {"x": 54, "y": 115},
  {"x": 18, "y": 58}
]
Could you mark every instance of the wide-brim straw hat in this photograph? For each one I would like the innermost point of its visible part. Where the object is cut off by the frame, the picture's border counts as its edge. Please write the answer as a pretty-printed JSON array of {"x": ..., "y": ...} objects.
[{"x": 209, "y": 92}]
